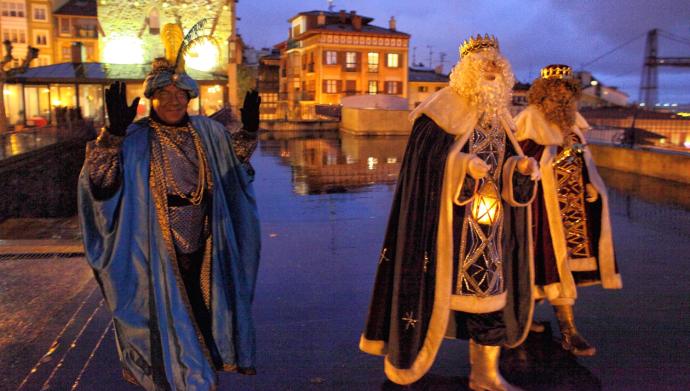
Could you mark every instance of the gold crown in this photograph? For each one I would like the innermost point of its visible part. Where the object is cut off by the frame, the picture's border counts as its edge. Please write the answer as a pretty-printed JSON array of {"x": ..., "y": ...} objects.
[
  {"x": 556, "y": 71},
  {"x": 477, "y": 43}
]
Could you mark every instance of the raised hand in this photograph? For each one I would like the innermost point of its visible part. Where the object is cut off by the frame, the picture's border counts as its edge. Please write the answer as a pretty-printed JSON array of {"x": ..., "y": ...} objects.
[
  {"x": 250, "y": 111},
  {"x": 119, "y": 114}
]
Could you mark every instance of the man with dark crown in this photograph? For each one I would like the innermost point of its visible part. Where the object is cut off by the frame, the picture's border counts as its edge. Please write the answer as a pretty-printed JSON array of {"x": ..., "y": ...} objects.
[
  {"x": 456, "y": 258},
  {"x": 573, "y": 242},
  {"x": 170, "y": 228}
]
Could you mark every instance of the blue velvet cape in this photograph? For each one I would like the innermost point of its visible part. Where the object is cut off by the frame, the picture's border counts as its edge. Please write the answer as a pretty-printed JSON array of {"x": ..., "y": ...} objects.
[{"x": 156, "y": 334}]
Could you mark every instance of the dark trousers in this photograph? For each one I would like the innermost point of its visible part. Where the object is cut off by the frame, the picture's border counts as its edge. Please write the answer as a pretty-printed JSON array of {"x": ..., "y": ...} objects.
[{"x": 485, "y": 329}]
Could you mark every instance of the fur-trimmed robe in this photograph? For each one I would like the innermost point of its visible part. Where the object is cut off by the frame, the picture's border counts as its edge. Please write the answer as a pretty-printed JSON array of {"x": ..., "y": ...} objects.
[
  {"x": 532, "y": 125},
  {"x": 412, "y": 299}
]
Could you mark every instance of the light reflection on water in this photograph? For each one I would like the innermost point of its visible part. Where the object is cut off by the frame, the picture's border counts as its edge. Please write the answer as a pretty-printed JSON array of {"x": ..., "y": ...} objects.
[
  {"x": 330, "y": 162},
  {"x": 334, "y": 162}
]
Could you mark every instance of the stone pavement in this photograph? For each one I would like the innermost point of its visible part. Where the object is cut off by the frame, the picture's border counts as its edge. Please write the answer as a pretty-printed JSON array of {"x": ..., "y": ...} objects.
[{"x": 318, "y": 263}]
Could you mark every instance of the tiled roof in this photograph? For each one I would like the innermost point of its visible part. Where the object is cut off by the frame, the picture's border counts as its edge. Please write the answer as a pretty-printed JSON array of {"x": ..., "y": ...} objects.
[
  {"x": 98, "y": 72},
  {"x": 78, "y": 7},
  {"x": 333, "y": 14},
  {"x": 365, "y": 29},
  {"x": 428, "y": 75}
]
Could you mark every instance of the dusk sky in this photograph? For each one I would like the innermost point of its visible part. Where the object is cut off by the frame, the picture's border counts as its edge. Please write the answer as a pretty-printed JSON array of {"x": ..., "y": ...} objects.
[{"x": 532, "y": 33}]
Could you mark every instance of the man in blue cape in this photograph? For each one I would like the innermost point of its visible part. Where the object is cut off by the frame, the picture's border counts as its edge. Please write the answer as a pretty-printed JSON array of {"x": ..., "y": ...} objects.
[{"x": 170, "y": 228}]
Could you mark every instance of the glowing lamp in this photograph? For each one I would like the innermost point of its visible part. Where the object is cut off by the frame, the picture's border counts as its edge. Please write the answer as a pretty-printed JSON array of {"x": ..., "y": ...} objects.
[
  {"x": 487, "y": 204},
  {"x": 203, "y": 56}
]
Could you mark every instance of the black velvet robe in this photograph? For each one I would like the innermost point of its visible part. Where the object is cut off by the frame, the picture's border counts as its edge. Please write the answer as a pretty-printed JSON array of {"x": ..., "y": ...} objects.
[{"x": 406, "y": 275}]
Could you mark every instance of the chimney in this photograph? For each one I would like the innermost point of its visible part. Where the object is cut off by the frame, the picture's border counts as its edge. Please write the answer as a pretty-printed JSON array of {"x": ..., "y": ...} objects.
[
  {"x": 342, "y": 16},
  {"x": 356, "y": 20},
  {"x": 78, "y": 52},
  {"x": 391, "y": 23},
  {"x": 321, "y": 19}
]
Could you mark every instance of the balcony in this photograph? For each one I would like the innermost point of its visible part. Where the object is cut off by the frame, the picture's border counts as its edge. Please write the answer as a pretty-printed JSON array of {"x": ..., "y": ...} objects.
[{"x": 293, "y": 44}]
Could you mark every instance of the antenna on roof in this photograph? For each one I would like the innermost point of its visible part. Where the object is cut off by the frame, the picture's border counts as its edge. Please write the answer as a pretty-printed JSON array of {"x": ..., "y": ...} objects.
[
  {"x": 443, "y": 59},
  {"x": 331, "y": 6},
  {"x": 414, "y": 55},
  {"x": 431, "y": 53}
]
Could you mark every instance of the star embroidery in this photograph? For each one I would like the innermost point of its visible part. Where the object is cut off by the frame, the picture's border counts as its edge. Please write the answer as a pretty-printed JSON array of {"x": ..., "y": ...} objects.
[
  {"x": 409, "y": 320},
  {"x": 383, "y": 257},
  {"x": 426, "y": 262}
]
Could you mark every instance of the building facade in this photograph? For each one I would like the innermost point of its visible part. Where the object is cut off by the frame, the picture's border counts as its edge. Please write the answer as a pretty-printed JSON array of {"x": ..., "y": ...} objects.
[
  {"x": 423, "y": 83},
  {"x": 40, "y": 30},
  {"x": 268, "y": 85},
  {"x": 76, "y": 21},
  {"x": 329, "y": 55}
]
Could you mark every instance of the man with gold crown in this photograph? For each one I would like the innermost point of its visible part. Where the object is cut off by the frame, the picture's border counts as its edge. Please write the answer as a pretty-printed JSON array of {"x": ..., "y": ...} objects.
[
  {"x": 170, "y": 228},
  {"x": 456, "y": 256},
  {"x": 573, "y": 243}
]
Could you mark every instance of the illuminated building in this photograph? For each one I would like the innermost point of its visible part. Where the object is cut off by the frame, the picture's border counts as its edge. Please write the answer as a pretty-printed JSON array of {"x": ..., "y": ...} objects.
[
  {"x": 76, "y": 21},
  {"x": 329, "y": 55},
  {"x": 423, "y": 83},
  {"x": 27, "y": 23},
  {"x": 267, "y": 84}
]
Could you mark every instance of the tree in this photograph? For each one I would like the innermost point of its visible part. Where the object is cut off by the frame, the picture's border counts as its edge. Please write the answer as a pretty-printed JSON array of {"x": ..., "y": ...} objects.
[{"x": 8, "y": 73}]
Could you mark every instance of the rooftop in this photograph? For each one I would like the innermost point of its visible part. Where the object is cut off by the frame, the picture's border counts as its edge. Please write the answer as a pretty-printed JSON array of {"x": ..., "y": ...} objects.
[
  {"x": 428, "y": 75},
  {"x": 78, "y": 8}
]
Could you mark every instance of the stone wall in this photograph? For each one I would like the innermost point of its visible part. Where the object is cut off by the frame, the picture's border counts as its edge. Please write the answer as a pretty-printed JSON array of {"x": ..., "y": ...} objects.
[
  {"x": 674, "y": 166},
  {"x": 126, "y": 20},
  {"x": 41, "y": 183},
  {"x": 375, "y": 121}
]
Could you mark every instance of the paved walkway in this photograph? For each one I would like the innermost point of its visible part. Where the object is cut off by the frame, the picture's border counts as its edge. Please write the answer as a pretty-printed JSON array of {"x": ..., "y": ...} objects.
[{"x": 318, "y": 263}]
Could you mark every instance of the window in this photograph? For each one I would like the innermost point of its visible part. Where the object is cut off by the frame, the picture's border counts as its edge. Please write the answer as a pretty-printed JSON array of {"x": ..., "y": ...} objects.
[
  {"x": 22, "y": 36},
  {"x": 439, "y": 88},
  {"x": 373, "y": 62},
  {"x": 331, "y": 87},
  {"x": 64, "y": 26},
  {"x": 392, "y": 87},
  {"x": 5, "y": 9},
  {"x": 351, "y": 87},
  {"x": 66, "y": 53},
  {"x": 40, "y": 37},
  {"x": 5, "y": 35},
  {"x": 422, "y": 89},
  {"x": 373, "y": 87},
  {"x": 331, "y": 57},
  {"x": 351, "y": 60},
  {"x": 40, "y": 12},
  {"x": 393, "y": 60},
  {"x": 154, "y": 22}
]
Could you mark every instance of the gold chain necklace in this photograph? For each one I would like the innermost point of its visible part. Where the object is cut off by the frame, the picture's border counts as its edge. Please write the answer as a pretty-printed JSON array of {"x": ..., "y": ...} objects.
[{"x": 160, "y": 158}]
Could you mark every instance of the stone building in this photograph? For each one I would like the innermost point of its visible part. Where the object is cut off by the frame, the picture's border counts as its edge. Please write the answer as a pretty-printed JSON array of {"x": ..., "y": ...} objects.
[{"x": 329, "y": 55}]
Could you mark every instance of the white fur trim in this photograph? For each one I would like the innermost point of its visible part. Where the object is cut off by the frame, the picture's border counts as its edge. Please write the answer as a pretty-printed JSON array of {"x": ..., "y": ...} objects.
[
  {"x": 478, "y": 305},
  {"x": 583, "y": 264},
  {"x": 377, "y": 348},
  {"x": 508, "y": 193}
]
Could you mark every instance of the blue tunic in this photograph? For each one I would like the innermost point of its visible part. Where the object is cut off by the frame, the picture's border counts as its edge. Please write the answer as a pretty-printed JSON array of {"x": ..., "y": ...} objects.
[{"x": 125, "y": 245}]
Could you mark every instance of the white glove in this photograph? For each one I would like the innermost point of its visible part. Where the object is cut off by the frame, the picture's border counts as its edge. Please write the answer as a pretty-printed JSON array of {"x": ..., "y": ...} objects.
[
  {"x": 591, "y": 193},
  {"x": 529, "y": 166},
  {"x": 477, "y": 168}
]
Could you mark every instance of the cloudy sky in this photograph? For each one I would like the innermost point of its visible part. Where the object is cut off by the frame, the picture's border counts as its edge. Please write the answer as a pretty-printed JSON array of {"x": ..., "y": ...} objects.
[{"x": 532, "y": 33}]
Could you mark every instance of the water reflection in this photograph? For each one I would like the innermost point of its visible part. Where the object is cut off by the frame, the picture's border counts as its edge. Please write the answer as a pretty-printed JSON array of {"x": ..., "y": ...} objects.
[
  {"x": 331, "y": 162},
  {"x": 16, "y": 143}
]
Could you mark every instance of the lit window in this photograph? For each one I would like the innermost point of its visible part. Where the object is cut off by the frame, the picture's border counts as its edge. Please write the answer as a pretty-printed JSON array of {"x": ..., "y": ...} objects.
[
  {"x": 373, "y": 61},
  {"x": 39, "y": 13},
  {"x": 393, "y": 60},
  {"x": 350, "y": 60},
  {"x": 41, "y": 39},
  {"x": 331, "y": 57},
  {"x": 392, "y": 88},
  {"x": 64, "y": 26},
  {"x": 423, "y": 89},
  {"x": 373, "y": 87},
  {"x": 5, "y": 9},
  {"x": 331, "y": 86}
]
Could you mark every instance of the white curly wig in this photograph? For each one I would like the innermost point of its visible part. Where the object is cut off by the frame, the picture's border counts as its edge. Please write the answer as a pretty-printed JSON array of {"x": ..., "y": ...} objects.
[{"x": 467, "y": 80}]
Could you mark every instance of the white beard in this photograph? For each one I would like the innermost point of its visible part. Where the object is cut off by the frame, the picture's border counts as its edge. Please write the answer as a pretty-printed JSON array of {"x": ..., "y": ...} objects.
[{"x": 490, "y": 95}]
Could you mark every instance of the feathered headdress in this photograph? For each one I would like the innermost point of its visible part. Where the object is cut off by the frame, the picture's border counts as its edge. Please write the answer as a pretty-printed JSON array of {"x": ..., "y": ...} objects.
[{"x": 170, "y": 69}]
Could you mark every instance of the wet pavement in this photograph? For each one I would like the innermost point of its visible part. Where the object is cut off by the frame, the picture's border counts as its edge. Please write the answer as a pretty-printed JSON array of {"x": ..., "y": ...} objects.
[{"x": 323, "y": 203}]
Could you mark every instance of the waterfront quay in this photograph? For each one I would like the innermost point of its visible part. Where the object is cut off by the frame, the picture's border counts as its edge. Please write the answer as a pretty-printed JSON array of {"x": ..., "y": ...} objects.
[{"x": 324, "y": 199}]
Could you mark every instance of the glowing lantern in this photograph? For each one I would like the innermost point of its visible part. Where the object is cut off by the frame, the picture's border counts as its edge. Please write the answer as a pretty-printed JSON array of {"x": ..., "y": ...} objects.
[
  {"x": 203, "y": 55},
  {"x": 487, "y": 204}
]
